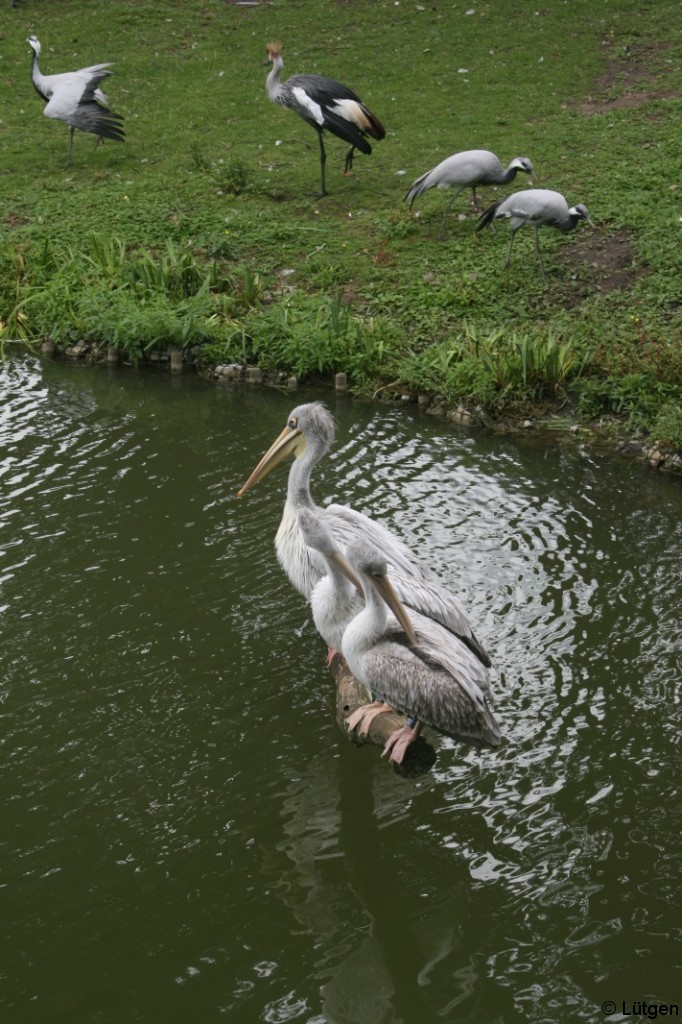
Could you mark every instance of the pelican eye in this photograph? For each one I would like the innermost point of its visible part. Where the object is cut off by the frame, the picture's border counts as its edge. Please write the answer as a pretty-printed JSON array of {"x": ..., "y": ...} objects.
[{"x": 293, "y": 423}]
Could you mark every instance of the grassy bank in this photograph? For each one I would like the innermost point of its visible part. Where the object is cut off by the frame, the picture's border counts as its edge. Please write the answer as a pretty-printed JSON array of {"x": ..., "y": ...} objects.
[{"x": 201, "y": 230}]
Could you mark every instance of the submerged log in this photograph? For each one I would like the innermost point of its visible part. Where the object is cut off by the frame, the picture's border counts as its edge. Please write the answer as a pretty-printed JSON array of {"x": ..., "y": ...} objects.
[{"x": 350, "y": 695}]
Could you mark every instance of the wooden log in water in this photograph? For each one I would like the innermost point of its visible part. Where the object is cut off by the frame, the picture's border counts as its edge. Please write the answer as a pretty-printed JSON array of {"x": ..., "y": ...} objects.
[{"x": 350, "y": 695}]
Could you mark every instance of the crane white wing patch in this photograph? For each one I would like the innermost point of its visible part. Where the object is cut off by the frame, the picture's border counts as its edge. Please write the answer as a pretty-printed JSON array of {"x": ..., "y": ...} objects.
[
  {"x": 351, "y": 111},
  {"x": 304, "y": 101}
]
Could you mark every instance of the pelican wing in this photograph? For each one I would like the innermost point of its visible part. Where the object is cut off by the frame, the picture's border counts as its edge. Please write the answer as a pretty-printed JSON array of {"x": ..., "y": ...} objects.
[
  {"x": 346, "y": 524},
  {"x": 437, "y": 603},
  {"x": 441, "y": 648},
  {"x": 400, "y": 677},
  {"x": 415, "y": 591}
]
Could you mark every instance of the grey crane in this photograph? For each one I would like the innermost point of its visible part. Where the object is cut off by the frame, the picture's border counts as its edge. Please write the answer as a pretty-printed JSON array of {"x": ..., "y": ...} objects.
[
  {"x": 75, "y": 97},
  {"x": 443, "y": 686},
  {"x": 538, "y": 207},
  {"x": 468, "y": 169},
  {"x": 324, "y": 104},
  {"x": 308, "y": 436}
]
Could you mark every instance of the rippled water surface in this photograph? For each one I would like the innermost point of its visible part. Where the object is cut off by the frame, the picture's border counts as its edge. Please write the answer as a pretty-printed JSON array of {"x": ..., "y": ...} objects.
[{"x": 187, "y": 836}]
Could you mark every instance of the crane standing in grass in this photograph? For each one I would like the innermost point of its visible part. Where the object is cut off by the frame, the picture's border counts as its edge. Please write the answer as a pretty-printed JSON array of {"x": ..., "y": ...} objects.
[
  {"x": 325, "y": 105},
  {"x": 539, "y": 207},
  {"x": 468, "y": 169},
  {"x": 75, "y": 97}
]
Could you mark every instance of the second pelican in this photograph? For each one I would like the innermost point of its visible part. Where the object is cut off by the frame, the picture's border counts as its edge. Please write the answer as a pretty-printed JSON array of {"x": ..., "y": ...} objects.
[
  {"x": 445, "y": 687},
  {"x": 405, "y": 659}
]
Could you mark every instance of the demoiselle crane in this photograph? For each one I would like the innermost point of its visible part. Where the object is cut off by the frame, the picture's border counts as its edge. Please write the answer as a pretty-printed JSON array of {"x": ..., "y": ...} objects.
[
  {"x": 468, "y": 169},
  {"x": 443, "y": 686},
  {"x": 325, "y": 105},
  {"x": 537, "y": 207},
  {"x": 308, "y": 436},
  {"x": 75, "y": 97}
]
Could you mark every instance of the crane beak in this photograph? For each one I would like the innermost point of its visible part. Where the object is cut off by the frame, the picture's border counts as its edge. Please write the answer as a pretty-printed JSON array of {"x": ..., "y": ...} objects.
[
  {"x": 385, "y": 589},
  {"x": 289, "y": 442}
]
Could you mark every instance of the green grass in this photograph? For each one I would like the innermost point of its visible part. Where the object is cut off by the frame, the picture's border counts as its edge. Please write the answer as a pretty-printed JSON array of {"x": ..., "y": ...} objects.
[{"x": 202, "y": 230}]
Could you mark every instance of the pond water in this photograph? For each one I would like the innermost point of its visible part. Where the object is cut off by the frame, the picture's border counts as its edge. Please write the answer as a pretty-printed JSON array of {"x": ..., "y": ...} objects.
[{"x": 186, "y": 834}]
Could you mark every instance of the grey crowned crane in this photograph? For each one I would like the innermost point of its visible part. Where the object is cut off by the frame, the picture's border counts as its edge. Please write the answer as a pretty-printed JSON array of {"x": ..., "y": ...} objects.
[
  {"x": 468, "y": 169},
  {"x": 75, "y": 97},
  {"x": 325, "y": 105},
  {"x": 538, "y": 207}
]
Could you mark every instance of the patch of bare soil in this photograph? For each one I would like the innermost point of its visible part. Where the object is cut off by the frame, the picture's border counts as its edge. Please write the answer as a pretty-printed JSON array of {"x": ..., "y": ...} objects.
[
  {"x": 610, "y": 256},
  {"x": 14, "y": 220},
  {"x": 633, "y": 80}
]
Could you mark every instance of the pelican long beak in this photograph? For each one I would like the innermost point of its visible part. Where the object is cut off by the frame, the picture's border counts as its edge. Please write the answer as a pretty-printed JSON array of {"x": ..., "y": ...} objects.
[
  {"x": 340, "y": 561},
  {"x": 289, "y": 442},
  {"x": 385, "y": 589}
]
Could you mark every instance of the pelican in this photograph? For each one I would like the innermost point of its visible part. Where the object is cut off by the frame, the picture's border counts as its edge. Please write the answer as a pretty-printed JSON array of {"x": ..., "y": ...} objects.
[
  {"x": 339, "y": 597},
  {"x": 308, "y": 435},
  {"x": 440, "y": 685}
]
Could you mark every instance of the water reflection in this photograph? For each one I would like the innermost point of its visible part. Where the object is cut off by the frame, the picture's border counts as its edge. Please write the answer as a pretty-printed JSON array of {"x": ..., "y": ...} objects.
[{"x": 188, "y": 835}]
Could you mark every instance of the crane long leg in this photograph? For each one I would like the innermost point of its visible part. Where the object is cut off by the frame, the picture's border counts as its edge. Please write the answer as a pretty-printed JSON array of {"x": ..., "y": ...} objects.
[
  {"x": 323, "y": 160},
  {"x": 511, "y": 243},
  {"x": 71, "y": 131},
  {"x": 348, "y": 169},
  {"x": 445, "y": 215},
  {"x": 537, "y": 249}
]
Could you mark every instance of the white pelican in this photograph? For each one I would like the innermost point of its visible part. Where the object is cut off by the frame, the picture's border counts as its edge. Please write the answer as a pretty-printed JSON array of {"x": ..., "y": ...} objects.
[
  {"x": 442, "y": 685},
  {"x": 339, "y": 597},
  {"x": 308, "y": 435}
]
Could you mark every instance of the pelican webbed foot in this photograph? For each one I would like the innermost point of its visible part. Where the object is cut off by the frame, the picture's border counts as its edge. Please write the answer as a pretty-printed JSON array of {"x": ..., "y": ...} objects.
[
  {"x": 397, "y": 743},
  {"x": 365, "y": 715}
]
